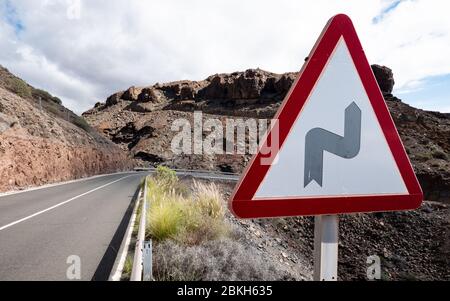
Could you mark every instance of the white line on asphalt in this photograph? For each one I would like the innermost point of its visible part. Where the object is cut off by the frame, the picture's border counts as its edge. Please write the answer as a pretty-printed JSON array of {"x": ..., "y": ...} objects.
[
  {"x": 119, "y": 264},
  {"x": 13, "y": 192},
  {"x": 60, "y": 204}
]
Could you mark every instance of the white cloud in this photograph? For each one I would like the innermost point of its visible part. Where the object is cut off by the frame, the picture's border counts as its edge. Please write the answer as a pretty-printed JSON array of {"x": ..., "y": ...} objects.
[{"x": 117, "y": 43}]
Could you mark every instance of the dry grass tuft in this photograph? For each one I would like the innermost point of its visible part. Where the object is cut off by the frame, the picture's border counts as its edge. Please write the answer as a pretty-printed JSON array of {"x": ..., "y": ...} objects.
[
  {"x": 208, "y": 200},
  {"x": 189, "y": 218}
]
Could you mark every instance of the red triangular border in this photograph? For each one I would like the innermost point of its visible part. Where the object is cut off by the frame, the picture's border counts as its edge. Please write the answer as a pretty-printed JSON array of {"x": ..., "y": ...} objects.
[{"x": 242, "y": 203}]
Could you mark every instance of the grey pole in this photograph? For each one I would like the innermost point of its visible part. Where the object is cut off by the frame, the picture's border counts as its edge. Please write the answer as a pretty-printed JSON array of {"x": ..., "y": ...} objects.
[{"x": 326, "y": 239}]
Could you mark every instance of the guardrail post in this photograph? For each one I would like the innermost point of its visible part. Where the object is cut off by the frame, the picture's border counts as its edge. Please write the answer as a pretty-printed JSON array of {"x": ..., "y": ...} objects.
[{"x": 148, "y": 261}]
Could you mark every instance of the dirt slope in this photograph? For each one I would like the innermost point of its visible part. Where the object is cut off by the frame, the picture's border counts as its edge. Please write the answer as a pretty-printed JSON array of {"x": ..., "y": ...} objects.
[{"x": 38, "y": 146}]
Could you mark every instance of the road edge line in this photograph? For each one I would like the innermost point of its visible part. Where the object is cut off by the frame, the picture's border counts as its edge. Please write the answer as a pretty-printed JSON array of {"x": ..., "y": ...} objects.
[
  {"x": 117, "y": 270},
  {"x": 50, "y": 185}
]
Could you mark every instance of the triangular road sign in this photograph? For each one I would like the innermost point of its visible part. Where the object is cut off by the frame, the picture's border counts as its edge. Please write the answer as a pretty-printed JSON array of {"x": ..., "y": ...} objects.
[{"x": 339, "y": 150}]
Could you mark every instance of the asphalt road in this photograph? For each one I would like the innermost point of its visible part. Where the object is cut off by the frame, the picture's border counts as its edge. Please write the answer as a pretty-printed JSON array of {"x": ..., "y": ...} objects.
[{"x": 43, "y": 232}]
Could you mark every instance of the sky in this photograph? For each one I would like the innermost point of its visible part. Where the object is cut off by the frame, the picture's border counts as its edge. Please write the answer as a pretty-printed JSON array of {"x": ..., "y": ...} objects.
[{"x": 85, "y": 50}]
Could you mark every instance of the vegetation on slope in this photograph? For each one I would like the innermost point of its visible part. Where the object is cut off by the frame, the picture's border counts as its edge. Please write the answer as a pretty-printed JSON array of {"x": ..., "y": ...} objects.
[{"x": 40, "y": 98}]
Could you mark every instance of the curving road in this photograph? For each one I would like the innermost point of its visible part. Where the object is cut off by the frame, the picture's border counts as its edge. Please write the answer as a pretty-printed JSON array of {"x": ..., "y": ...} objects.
[{"x": 40, "y": 229}]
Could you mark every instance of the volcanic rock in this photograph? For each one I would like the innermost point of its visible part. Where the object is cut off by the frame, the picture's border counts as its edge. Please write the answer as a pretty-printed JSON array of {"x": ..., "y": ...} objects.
[
  {"x": 385, "y": 78},
  {"x": 256, "y": 93}
]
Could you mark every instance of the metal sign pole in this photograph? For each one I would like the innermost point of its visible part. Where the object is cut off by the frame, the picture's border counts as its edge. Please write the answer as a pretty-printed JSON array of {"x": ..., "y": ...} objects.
[{"x": 326, "y": 239}]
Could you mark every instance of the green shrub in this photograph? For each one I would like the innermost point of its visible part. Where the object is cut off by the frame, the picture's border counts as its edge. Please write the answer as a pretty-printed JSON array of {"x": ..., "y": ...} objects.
[
  {"x": 18, "y": 87},
  {"x": 165, "y": 218},
  {"x": 44, "y": 95},
  {"x": 55, "y": 110},
  {"x": 81, "y": 123},
  {"x": 155, "y": 191},
  {"x": 188, "y": 219},
  {"x": 166, "y": 176}
]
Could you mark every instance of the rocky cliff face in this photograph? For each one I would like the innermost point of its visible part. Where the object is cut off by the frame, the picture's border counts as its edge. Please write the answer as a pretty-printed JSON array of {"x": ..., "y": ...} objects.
[
  {"x": 139, "y": 120},
  {"x": 42, "y": 142}
]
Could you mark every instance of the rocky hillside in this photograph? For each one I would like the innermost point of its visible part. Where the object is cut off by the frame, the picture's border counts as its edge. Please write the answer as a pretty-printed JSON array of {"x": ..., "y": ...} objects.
[
  {"x": 139, "y": 120},
  {"x": 43, "y": 142},
  {"x": 411, "y": 245}
]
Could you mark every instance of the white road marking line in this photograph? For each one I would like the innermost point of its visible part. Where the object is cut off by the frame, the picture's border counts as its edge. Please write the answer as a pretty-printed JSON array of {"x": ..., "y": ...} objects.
[
  {"x": 14, "y": 192},
  {"x": 60, "y": 204},
  {"x": 116, "y": 273}
]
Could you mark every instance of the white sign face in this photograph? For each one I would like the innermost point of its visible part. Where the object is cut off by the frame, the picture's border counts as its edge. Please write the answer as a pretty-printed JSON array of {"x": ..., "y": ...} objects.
[{"x": 359, "y": 163}]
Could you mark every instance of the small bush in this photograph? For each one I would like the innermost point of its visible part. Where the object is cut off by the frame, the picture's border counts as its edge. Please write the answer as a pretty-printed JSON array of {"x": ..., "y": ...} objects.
[
  {"x": 205, "y": 216},
  {"x": 199, "y": 229},
  {"x": 81, "y": 123},
  {"x": 165, "y": 219},
  {"x": 55, "y": 110},
  {"x": 208, "y": 200},
  {"x": 155, "y": 191},
  {"x": 182, "y": 190},
  {"x": 166, "y": 176},
  {"x": 176, "y": 214},
  {"x": 18, "y": 87},
  {"x": 44, "y": 95},
  {"x": 219, "y": 260}
]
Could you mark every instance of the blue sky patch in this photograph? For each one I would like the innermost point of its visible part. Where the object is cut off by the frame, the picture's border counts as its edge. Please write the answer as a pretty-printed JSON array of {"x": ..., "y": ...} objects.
[
  {"x": 9, "y": 12},
  {"x": 383, "y": 13},
  {"x": 433, "y": 95}
]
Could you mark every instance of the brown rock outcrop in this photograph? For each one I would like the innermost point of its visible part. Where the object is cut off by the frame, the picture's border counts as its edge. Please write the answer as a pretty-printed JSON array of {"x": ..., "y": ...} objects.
[
  {"x": 111, "y": 100},
  {"x": 251, "y": 84},
  {"x": 249, "y": 87},
  {"x": 131, "y": 94},
  {"x": 258, "y": 94},
  {"x": 385, "y": 78},
  {"x": 149, "y": 95},
  {"x": 32, "y": 161}
]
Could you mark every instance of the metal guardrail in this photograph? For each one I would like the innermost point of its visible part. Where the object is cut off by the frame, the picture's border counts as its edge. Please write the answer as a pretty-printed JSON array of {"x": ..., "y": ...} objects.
[
  {"x": 207, "y": 171},
  {"x": 142, "y": 263},
  {"x": 229, "y": 175}
]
